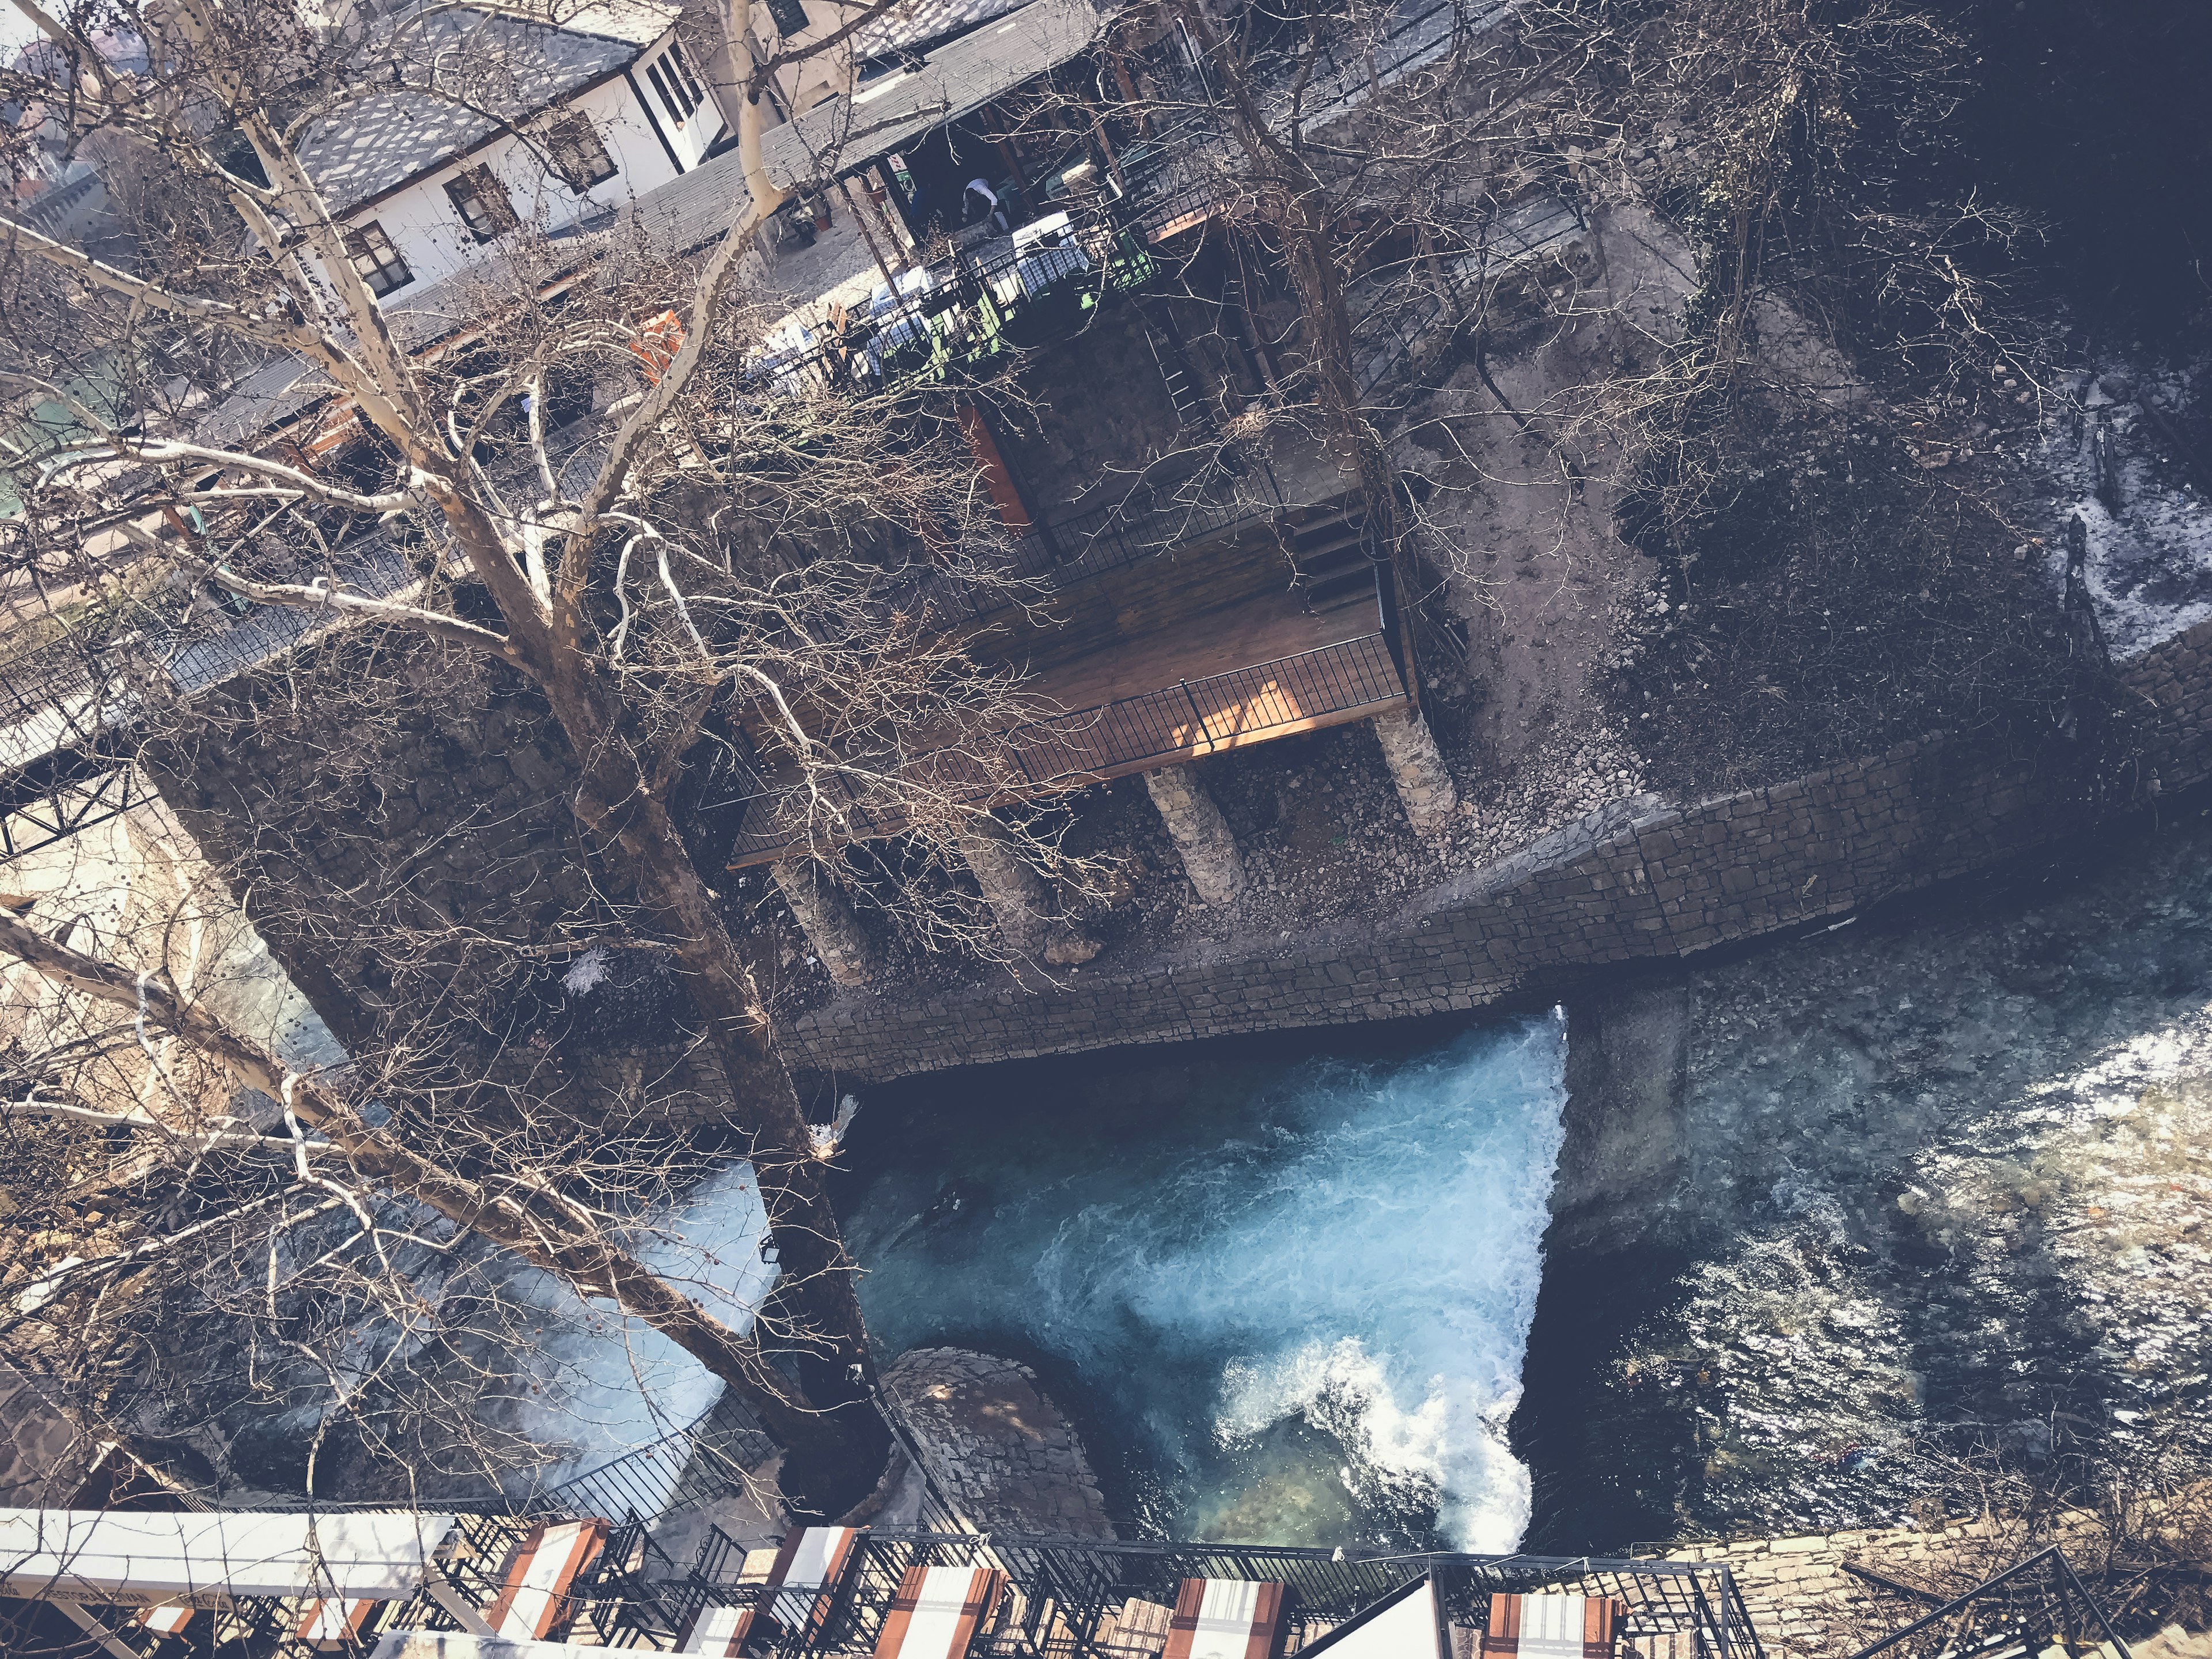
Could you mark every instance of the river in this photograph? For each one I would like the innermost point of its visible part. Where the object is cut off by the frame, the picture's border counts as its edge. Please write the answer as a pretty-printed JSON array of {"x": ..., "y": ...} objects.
[
  {"x": 1287, "y": 1293},
  {"x": 1935, "y": 1178}
]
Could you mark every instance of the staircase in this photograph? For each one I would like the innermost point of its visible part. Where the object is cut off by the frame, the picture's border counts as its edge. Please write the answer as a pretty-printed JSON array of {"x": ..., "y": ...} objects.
[
  {"x": 1333, "y": 558},
  {"x": 1194, "y": 419}
]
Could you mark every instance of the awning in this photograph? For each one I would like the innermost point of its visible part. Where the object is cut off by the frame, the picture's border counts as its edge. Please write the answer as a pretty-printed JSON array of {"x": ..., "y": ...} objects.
[
  {"x": 1403, "y": 1624},
  {"x": 123, "y": 1559},
  {"x": 456, "y": 1644},
  {"x": 884, "y": 115}
]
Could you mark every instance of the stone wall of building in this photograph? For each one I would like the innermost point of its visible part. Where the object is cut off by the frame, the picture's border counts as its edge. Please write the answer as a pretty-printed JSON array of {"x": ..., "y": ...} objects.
[{"x": 463, "y": 812}]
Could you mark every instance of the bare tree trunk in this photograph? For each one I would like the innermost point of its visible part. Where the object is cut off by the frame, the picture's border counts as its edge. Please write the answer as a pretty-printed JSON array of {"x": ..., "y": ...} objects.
[{"x": 529, "y": 1219}]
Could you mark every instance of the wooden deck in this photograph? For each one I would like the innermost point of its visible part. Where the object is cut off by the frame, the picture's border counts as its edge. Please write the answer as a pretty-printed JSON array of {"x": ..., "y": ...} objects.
[{"x": 1250, "y": 671}]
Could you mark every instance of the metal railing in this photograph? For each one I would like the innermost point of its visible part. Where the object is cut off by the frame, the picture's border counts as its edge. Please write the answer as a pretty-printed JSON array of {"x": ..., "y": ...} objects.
[
  {"x": 1187, "y": 718},
  {"x": 1072, "y": 1596},
  {"x": 710, "y": 1459},
  {"x": 1059, "y": 553},
  {"x": 2034, "y": 1604}
]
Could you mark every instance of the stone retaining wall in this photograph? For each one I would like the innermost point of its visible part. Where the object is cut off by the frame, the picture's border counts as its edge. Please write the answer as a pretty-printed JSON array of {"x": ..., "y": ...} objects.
[
  {"x": 1806, "y": 1605},
  {"x": 1638, "y": 879},
  {"x": 461, "y": 811}
]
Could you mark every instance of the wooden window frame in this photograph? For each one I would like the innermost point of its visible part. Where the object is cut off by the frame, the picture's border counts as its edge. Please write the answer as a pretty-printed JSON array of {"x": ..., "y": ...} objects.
[
  {"x": 580, "y": 154},
  {"x": 495, "y": 214},
  {"x": 362, "y": 244}
]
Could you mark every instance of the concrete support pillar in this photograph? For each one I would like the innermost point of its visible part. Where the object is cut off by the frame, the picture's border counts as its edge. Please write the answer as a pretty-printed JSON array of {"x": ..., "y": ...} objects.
[
  {"x": 1417, "y": 767},
  {"x": 1011, "y": 886},
  {"x": 827, "y": 918},
  {"x": 1201, "y": 834}
]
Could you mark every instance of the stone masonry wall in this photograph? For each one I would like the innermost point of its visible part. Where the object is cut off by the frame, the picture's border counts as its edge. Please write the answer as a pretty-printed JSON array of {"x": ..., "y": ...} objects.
[
  {"x": 1806, "y": 1603},
  {"x": 1637, "y": 880},
  {"x": 470, "y": 807},
  {"x": 369, "y": 796}
]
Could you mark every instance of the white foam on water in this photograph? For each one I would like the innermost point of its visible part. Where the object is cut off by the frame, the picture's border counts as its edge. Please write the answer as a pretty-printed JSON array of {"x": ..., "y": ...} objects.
[
  {"x": 1364, "y": 1260},
  {"x": 1401, "y": 1254},
  {"x": 610, "y": 1384}
]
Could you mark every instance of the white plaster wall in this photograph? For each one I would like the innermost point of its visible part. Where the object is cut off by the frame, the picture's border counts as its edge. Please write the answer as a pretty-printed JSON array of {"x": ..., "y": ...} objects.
[
  {"x": 430, "y": 235},
  {"x": 807, "y": 84},
  {"x": 137, "y": 891},
  {"x": 690, "y": 137}
]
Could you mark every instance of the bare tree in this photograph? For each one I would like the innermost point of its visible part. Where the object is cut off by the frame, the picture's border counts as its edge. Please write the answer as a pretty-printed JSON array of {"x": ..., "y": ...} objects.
[{"x": 725, "y": 543}]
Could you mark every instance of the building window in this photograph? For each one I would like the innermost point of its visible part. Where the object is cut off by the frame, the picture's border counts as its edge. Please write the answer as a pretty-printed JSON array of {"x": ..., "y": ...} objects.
[
  {"x": 790, "y": 16},
  {"x": 672, "y": 79},
  {"x": 483, "y": 205},
  {"x": 579, "y": 154},
  {"x": 377, "y": 260}
]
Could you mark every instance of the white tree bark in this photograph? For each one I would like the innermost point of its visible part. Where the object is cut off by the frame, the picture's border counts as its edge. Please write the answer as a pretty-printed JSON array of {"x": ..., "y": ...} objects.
[
  {"x": 826, "y": 916},
  {"x": 1201, "y": 834},
  {"x": 1417, "y": 767}
]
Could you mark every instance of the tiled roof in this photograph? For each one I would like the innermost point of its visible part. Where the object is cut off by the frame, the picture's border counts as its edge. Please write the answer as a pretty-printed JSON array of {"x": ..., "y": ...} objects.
[
  {"x": 487, "y": 69},
  {"x": 883, "y": 115},
  {"x": 913, "y": 21},
  {"x": 680, "y": 217}
]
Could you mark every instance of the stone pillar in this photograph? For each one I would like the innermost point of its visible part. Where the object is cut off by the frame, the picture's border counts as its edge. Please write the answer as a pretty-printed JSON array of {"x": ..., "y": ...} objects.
[
  {"x": 1201, "y": 834},
  {"x": 827, "y": 918},
  {"x": 1417, "y": 767},
  {"x": 1011, "y": 886}
]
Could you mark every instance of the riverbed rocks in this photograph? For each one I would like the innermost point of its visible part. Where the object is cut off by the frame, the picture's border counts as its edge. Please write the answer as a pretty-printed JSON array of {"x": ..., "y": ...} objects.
[
  {"x": 1947, "y": 1191},
  {"x": 992, "y": 1441}
]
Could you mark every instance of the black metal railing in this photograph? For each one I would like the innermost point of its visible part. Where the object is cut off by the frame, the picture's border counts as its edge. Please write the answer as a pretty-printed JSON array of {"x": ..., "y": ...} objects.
[
  {"x": 710, "y": 1459},
  {"x": 1187, "y": 718},
  {"x": 1061, "y": 552},
  {"x": 2037, "y": 1603},
  {"x": 1071, "y": 1596}
]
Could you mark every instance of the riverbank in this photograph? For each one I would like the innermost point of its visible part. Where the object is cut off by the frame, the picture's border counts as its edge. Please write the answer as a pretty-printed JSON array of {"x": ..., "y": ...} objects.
[
  {"x": 1935, "y": 1182},
  {"x": 1639, "y": 880}
]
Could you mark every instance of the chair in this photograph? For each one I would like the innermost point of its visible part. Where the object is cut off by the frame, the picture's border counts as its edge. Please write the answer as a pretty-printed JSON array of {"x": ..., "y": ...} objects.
[
  {"x": 717, "y": 1631},
  {"x": 164, "y": 1621},
  {"x": 1551, "y": 1627},
  {"x": 807, "y": 1571},
  {"x": 1227, "y": 1619},
  {"x": 937, "y": 1611},
  {"x": 333, "y": 1622},
  {"x": 533, "y": 1593},
  {"x": 1136, "y": 1626}
]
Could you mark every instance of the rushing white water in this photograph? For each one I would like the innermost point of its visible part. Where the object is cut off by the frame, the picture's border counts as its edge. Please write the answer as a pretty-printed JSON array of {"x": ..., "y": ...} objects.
[
  {"x": 1298, "y": 1296},
  {"x": 606, "y": 1383}
]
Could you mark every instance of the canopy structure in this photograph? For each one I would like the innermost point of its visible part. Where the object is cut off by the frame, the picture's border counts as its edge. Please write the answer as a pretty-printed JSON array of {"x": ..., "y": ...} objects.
[
  {"x": 122, "y": 1558},
  {"x": 457, "y": 1644},
  {"x": 846, "y": 132},
  {"x": 1403, "y": 1624}
]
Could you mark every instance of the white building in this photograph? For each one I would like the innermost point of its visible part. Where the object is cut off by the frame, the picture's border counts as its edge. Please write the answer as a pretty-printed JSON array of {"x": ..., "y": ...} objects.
[{"x": 505, "y": 121}]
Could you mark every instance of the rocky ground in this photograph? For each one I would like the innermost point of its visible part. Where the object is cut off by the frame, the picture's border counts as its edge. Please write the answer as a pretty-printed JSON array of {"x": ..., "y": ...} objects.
[
  {"x": 1881, "y": 569},
  {"x": 1935, "y": 1181}
]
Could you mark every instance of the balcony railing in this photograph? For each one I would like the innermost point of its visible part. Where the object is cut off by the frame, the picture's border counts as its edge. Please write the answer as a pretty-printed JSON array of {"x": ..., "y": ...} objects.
[
  {"x": 1062, "y": 552},
  {"x": 1191, "y": 718},
  {"x": 1068, "y": 1596}
]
